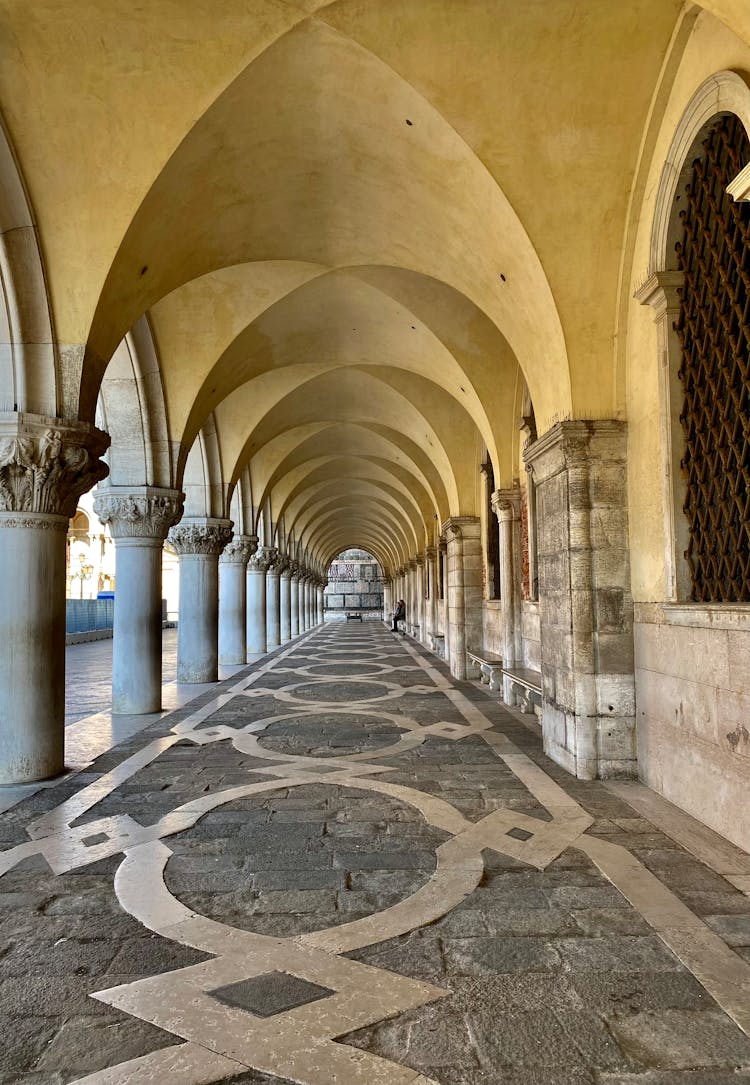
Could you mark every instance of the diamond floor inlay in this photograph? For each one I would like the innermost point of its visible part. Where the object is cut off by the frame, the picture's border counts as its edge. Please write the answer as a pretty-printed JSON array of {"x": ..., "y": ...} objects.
[
  {"x": 312, "y": 878},
  {"x": 272, "y": 993}
]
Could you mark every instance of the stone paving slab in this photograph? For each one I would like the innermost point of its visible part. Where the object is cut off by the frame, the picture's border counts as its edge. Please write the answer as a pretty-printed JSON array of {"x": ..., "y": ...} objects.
[{"x": 518, "y": 964}]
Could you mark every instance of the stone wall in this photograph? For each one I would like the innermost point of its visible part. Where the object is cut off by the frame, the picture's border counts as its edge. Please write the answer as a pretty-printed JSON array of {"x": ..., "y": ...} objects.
[
  {"x": 355, "y": 582},
  {"x": 693, "y": 710},
  {"x": 531, "y": 635}
]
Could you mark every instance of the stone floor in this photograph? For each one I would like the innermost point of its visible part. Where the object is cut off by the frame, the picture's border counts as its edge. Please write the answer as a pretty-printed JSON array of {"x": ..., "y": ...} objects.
[{"x": 342, "y": 866}]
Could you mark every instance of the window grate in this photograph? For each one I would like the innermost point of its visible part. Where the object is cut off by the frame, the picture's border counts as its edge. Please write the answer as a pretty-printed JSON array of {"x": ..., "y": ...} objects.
[{"x": 714, "y": 330}]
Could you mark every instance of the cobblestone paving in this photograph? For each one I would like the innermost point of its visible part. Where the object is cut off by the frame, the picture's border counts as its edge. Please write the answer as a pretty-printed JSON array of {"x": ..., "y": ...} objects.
[{"x": 244, "y": 882}]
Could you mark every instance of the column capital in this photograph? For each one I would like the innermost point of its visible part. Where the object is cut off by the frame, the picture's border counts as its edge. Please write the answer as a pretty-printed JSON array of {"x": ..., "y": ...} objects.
[
  {"x": 456, "y": 527},
  {"x": 239, "y": 550},
  {"x": 46, "y": 464},
  {"x": 139, "y": 512},
  {"x": 506, "y": 504},
  {"x": 431, "y": 552},
  {"x": 200, "y": 536},
  {"x": 261, "y": 560},
  {"x": 282, "y": 566}
]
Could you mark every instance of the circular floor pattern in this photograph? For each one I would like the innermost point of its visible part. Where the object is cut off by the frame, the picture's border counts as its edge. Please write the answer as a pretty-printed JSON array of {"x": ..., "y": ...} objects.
[
  {"x": 329, "y": 734},
  {"x": 342, "y": 690},
  {"x": 315, "y": 867},
  {"x": 344, "y": 669}
]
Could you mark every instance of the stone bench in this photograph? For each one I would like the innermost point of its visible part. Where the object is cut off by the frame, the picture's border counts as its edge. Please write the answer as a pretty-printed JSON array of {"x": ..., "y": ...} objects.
[
  {"x": 522, "y": 687},
  {"x": 354, "y": 616},
  {"x": 437, "y": 643},
  {"x": 490, "y": 669}
]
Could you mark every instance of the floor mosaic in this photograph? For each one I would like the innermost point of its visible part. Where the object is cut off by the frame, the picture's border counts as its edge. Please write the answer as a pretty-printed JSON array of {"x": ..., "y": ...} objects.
[{"x": 342, "y": 866}]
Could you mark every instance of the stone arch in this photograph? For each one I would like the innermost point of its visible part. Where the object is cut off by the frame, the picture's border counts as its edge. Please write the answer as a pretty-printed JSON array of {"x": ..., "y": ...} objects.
[
  {"x": 132, "y": 410},
  {"x": 723, "y": 93},
  {"x": 28, "y": 358},
  {"x": 202, "y": 478}
]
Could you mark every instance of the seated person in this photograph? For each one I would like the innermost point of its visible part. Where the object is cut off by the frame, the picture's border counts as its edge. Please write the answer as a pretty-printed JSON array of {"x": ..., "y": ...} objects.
[{"x": 399, "y": 615}]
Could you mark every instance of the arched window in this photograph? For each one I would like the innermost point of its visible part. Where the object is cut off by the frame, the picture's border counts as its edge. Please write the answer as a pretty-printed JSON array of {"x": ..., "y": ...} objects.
[{"x": 714, "y": 332}]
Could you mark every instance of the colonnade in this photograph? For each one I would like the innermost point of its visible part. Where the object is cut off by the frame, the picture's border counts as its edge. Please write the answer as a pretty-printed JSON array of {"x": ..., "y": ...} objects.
[{"x": 237, "y": 599}]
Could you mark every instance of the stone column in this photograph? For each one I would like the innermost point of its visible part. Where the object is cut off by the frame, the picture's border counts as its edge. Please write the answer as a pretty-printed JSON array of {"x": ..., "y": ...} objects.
[
  {"x": 431, "y": 559},
  {"x": 285, "y": 601},
  {"x": 464, "y": 590},
  {"x": 311, "y": 601},
  {"x": 507, "y": 507},
  {"x": 301, "y": 623},
  {"x": 421, "y": 612},
  {"x": 45, "y": 465},
  {"x": 586, "y": 607},
  {"x": 294, "y": 600},
  {"x": 273, "y": 602},
  {"x": 257, "y": 567},
  {"x": 199, "y": 543},
  {"x": 139, "y": 519},
  {"x": 233, "y": 598},
  {"x": 320, "y": 598},
  {"x": 443, "y": 602}
]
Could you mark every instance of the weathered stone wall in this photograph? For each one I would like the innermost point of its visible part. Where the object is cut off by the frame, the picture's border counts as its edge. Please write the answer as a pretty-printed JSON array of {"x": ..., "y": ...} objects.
[
  {"x": 492, "y": 623},
  {"x": 585, "y": 605},
  {"x": 531, "y": 635},
  {"x": 363, "y": 588},
  {"x": 693, "y": 710}
]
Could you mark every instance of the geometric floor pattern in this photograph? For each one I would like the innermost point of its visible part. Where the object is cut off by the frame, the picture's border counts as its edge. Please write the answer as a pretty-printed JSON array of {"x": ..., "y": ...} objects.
[{"x": 343, "y": 866}]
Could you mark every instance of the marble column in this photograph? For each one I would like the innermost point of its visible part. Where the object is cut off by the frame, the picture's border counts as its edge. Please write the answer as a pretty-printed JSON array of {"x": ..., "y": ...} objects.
[
  {"x": 257, "y": 630},
  {"x": 198, "y": 542},
  {"x": 273, "y": 602},
  {"x": 506, "y": 505},
  {"x": 138, "y": 519},
  {"x": 310, "y": 603},
  {"x": 302, "y": 588},
  {"x": 431, "y": 560},
  {"x": 45, "y": 465},
  {"x": 443, "y": 592},
  {"x": 464, "y": 590},
  {"x": 233, "y": 598},
  {"x": 285, "y": 601},
  {"x": 419, "y": 595},
  {"x": 294, "y": 600},
  {"x": 319, "y": 591}
]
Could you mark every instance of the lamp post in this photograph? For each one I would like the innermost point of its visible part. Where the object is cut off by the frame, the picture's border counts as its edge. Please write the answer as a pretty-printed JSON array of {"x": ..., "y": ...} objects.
[{"x": 84, "y": 573}]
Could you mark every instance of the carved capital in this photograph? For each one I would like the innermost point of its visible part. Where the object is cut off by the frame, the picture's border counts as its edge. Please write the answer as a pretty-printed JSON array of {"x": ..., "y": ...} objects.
[
  {"x": 142, "y": 513},
  {"x": 506, "y": 504},
  {"x": 457, "y": 526},
  {"x": 239, "y": 550},
  {"x": 46, "y": 464},
  {"x": 282, "y": 566},
  {"x": 201, "y": 536},
  {"x": 431, "y": 553},
  {"x": 261, "y": 560}
]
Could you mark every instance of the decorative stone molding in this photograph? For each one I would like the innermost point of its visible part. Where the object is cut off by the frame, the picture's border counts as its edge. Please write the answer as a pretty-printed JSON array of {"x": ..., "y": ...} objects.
[
  {"x": 722, "y": 92},
  {"x": 568, "y": 445},
  {"x": 506, "y": 504},
  {"x": 46, "y": 464},
  {"x": 239, "y": 550},
  {"x": 282, "y": 566},
  {"x": 455, "y": 526},
  {"x": 202, "y": 537},
  {"x": 262, "y": 559},
  {"x": 144, "y": 512}
]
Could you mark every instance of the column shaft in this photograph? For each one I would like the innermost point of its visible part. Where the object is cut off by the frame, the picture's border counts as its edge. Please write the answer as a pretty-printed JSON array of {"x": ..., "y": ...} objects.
[
  {"x": 273, "y": 609},
  {"x": 285, "y": 606},
  {"x": 45, "y": 465},
  {"x": 199, "y": 543}
]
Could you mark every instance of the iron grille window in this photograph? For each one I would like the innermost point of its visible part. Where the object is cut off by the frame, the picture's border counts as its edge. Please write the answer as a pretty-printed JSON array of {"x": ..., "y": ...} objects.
[{"x": 714, "y": 330}]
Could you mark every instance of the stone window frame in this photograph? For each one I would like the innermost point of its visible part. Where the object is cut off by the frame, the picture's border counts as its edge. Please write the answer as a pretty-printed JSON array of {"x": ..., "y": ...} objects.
[{"x": 723, "y": 93}]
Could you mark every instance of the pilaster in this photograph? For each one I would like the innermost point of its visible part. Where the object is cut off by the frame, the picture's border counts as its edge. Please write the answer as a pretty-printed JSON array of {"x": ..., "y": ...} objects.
[{"x": 586, "y": 608}]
